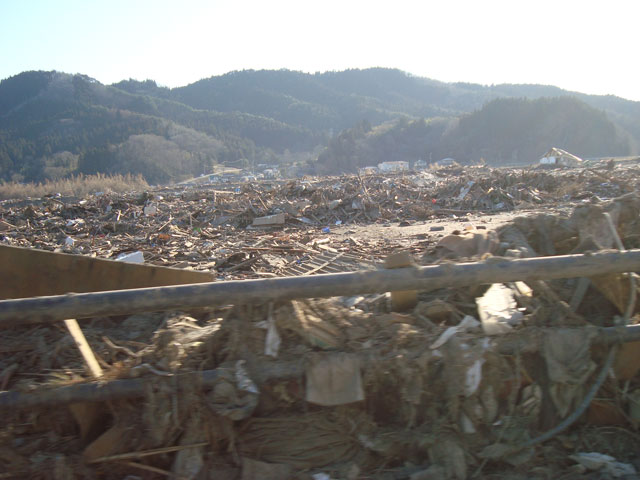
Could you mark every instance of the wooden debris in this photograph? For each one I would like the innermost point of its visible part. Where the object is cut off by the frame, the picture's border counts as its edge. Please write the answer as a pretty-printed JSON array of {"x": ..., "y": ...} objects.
[
  {"x": 165, "y": 372},
  {"x": 269, "y": 220},
  {"x": 83, "y": 346}
]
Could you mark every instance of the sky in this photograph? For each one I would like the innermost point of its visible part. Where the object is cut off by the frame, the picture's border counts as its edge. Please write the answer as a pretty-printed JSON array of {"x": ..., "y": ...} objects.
[{"x": 586, "y": 46}]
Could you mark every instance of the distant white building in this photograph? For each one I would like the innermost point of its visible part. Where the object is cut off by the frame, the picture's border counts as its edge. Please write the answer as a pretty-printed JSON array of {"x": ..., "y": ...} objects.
[
  {"x": 393, "y": 167},
  {"x": 420, "y": 165},
  {"x": 557, "y": 156}
]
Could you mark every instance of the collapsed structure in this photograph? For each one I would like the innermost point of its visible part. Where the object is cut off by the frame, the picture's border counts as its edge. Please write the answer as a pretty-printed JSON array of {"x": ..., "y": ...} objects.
[
  {"x": 557, "y": 156},
  {"x": 445, "y": 371}
]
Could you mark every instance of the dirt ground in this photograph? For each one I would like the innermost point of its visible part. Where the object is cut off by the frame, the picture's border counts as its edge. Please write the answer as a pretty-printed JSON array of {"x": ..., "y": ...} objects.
[
  {"x": 406, "y": 233},
  {"x": 452, "y": 383}
]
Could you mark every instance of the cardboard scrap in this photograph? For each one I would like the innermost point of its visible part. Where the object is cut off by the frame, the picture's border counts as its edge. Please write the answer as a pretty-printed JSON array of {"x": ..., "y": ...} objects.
[
  {"x": 334, "y": 379},
  {"x": 313, "y": 329},
  {"x": 106, "y": 444}
]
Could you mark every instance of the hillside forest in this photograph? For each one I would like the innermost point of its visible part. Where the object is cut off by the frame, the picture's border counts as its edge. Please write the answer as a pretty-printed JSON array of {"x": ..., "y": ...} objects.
[{"x": 54, "y": 125}]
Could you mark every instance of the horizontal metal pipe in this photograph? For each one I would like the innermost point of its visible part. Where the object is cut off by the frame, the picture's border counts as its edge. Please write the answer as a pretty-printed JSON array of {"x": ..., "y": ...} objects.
[
  {"x": 136, "y": 387},
  {"x": 184, "y": 297},
  {"x": 93, "y": 392}
]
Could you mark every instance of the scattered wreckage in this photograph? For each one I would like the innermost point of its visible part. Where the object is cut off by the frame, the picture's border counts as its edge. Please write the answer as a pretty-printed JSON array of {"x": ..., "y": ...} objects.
[{"x": 292, "y": 351}]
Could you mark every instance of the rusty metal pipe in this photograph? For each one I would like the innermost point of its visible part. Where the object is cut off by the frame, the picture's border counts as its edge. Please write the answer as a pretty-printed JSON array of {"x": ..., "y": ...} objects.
[{"x": 185, "y": 297}]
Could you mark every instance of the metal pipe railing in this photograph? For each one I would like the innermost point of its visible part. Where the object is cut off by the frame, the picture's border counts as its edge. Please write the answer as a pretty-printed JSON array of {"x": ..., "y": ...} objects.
[{"x": 185, "y": 297}]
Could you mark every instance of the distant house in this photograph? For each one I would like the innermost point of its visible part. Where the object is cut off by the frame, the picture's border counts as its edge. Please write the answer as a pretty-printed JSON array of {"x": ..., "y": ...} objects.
[
  {"x": 271, "y": 173},
  {"x": 393, "y": 167},
  {"x": 557, "y": 156}
]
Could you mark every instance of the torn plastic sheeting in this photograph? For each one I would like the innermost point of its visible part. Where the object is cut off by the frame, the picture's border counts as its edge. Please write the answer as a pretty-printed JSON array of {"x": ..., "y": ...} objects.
[
  {"x": 568, "y": 358},
  {"x": 334, "y": 379}
]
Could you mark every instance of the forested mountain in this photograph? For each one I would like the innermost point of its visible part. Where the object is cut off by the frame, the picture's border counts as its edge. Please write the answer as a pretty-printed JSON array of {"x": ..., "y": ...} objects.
[
  {"x": 506, "y": 131},
  {"x": 54, "y": 124},
  {"x": 515, "y": 131}
]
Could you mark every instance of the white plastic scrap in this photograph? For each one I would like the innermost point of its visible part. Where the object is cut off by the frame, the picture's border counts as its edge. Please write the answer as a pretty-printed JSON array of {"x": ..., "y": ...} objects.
[
  {"x": 466, "y": 424},
  {"x": 599, "y": 461},
  {"x": 320, "y": 476},
  {"x": 498, "y": 310},
  {"x": 272, "y": 341},
  {"x": 444, "y": 337},
  {"x": 473, "y": 378},
  {"x": 242, "y": 379},
  {"x": 74, "y": 222},
  {"x": 467, "y": 324},
  {"x": 465, "y": 190},
  {"x": 132, "y": 257}
]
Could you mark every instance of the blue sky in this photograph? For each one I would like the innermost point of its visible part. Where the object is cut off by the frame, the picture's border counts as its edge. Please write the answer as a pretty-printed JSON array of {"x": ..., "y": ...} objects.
[{"x": 588, "y": 46}]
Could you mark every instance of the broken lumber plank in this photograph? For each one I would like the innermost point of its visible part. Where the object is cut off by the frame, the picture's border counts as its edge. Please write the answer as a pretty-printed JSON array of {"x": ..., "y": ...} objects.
[
  {"x": 81, "y": 342},
  {"x": 242, "y": 292},
  {"x": 36, "y": 272},
  {"x": 277, "y": 219}
]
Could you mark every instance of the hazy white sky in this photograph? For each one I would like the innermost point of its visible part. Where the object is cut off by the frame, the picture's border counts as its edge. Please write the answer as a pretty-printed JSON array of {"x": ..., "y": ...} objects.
[{"x": 583, "y": 45}]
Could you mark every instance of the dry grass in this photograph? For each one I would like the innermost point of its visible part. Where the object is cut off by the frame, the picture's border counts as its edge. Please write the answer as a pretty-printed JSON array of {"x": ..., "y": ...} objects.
[{"x": 77, "y": 186}]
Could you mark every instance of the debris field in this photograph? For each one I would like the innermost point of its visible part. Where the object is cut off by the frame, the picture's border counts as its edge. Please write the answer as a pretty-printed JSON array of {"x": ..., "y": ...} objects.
[{"x": 535, "y": 377}]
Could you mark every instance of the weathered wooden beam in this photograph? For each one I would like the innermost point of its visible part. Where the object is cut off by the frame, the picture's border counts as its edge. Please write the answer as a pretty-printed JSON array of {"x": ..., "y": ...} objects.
[
  {"x": 184, "y": 297},
  {"x": 29, "y": 272}
]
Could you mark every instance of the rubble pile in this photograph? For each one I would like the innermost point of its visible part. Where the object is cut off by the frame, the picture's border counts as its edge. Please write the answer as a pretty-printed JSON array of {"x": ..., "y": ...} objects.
[
  {"x": 452, "y": 383},
  {"x": 255, "y": 229}
]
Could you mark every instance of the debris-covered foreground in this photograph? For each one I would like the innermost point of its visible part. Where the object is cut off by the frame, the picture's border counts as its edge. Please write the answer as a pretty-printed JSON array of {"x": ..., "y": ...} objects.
[{"x": 452, "y": 383}]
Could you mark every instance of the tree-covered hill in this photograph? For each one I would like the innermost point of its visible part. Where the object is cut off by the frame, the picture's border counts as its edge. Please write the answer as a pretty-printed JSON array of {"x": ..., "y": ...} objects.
[
  {"x": 54, "y": 124},
  {"x": 506, "y": 131},
  {"x": 48, "y": 116}
]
